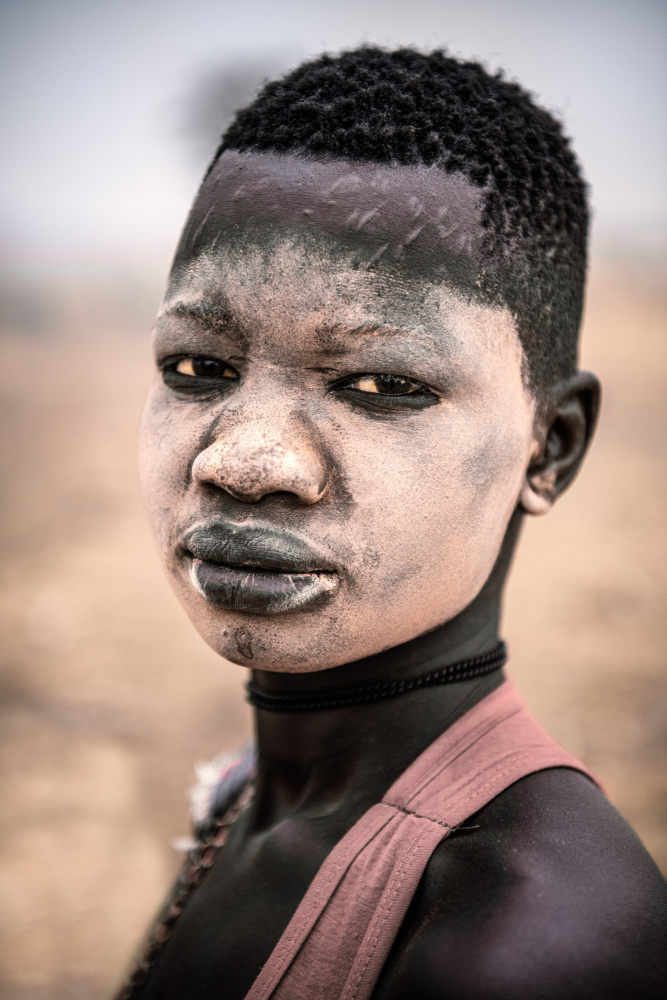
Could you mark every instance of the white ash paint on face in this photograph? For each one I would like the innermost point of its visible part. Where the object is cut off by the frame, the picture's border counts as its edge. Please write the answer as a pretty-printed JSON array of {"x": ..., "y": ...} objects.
[{"x": 410, "y": 506}]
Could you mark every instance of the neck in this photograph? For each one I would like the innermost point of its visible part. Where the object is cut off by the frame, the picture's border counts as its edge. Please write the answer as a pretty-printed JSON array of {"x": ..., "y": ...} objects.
[{"x": 344, "y": 759}]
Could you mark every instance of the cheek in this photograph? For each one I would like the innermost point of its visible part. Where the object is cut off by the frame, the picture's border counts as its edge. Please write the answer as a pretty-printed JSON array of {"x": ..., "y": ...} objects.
[
  {"x": 167, "y": 446},
  {"x": 434, "y": 506},
  {"x": 490, "y": 475}
]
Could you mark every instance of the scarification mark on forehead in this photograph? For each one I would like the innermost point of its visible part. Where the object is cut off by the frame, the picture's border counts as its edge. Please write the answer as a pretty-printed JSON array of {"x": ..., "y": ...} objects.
[
  {"x": 386, "y": 213},
  {"x": 201, "y": 225}
]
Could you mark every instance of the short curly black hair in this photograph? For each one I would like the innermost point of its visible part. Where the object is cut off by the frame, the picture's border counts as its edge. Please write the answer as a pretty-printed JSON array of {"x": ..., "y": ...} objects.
[{"x": 410, "y": 107}]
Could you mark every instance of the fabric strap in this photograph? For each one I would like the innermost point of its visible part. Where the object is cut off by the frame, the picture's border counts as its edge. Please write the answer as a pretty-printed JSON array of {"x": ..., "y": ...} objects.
[{"x": 338, "y": 940}]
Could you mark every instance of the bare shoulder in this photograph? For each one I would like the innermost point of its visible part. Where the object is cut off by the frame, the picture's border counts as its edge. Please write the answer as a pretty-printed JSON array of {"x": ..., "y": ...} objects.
[{"x": 552, "y": 896}]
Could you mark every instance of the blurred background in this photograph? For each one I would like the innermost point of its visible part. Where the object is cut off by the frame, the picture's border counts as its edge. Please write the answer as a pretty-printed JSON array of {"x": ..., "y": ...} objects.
[{"x": 109, "y": 114}]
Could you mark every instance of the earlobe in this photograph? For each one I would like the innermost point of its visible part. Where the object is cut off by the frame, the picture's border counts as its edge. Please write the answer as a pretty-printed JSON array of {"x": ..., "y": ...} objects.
[{"x": 533, "y": 502}]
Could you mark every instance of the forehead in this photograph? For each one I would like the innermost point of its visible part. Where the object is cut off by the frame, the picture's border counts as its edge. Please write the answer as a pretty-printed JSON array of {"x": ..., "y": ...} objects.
[
  {"x": 392, "y": 219},
  {"x": 297, "y": 278},
  {"x": 305, "y": 254}
]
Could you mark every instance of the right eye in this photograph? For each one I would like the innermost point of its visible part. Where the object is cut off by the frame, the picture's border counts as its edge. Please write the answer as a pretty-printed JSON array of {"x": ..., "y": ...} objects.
[
  {"x": 198, "y": 372},
  {"x": 204, "y": 368}
]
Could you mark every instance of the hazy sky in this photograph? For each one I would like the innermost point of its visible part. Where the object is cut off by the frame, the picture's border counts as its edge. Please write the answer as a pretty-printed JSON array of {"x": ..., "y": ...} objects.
[{"x": 94, "y": 96}]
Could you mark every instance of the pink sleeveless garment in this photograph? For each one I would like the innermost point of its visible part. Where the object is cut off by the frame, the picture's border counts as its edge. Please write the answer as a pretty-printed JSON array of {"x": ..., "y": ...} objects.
[{"x": 338, "y": 940}]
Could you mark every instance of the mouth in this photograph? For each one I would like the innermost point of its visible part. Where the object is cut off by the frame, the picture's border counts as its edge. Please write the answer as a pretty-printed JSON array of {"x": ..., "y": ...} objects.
[{"x": 257, "y": 569}]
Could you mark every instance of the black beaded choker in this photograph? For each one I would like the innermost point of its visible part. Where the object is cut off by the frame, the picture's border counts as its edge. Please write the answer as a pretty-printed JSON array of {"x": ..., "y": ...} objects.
[{"x": 362, "y": 694}]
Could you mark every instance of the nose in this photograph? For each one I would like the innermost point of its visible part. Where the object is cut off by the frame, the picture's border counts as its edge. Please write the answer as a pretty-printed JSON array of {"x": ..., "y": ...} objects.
[{"x": 251, "y": 458}]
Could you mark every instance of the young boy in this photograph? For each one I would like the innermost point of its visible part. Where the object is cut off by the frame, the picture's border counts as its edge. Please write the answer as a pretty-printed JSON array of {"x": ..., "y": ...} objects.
[{"x": 366, "y": 377}]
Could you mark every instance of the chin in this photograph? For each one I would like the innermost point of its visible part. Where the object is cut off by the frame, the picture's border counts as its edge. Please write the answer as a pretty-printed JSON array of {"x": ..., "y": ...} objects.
[
  {"x": 287, "y": 643},
  {"x": 318, "y": 637}
]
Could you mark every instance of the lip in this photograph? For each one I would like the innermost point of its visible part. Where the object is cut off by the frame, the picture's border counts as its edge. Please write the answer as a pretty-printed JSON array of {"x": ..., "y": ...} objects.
[{"x": 257, "y": 568}]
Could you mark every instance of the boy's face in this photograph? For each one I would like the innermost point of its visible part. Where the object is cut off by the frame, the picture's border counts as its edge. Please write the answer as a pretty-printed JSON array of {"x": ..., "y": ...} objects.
[{"x": 337, "y": 435}]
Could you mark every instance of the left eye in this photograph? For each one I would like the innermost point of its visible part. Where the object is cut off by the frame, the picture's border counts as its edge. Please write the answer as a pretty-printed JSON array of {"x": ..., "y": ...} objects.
[
  {"x": 204, "y": 368},
  {"x": 387, "y": 385}
]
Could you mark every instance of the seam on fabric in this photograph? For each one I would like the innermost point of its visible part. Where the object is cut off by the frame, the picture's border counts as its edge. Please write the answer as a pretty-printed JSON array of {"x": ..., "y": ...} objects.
[
  {"x": 431, "y": 819},
  {"x": 383, "y": 915},
  {"x": 312, "y": 908}
]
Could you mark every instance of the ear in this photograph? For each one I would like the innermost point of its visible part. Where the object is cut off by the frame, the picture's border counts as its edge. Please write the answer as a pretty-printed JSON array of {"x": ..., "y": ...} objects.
[{"x": 564, "y": 428}]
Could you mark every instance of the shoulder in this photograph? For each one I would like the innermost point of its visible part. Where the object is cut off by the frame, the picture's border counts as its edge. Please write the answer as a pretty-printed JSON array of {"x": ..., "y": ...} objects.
[{"x": 552, "y": 895}]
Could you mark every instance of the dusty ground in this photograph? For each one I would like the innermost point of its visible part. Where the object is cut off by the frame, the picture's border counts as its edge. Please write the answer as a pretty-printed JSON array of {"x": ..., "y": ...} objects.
[{"x": 108, "y": 696}]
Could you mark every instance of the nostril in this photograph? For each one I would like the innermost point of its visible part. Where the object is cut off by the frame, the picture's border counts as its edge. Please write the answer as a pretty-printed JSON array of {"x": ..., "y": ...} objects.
[{"x": 244, "y": 497}]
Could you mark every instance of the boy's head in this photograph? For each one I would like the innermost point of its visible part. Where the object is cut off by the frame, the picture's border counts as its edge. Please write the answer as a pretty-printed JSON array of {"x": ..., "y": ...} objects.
[
  {"x": 413, "y": 109},
  {"x": 367, "y": 356}
]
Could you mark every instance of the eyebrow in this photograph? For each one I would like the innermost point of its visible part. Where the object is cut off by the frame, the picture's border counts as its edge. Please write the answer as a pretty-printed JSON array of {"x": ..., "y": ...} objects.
[
  {"x": 329, "y": 335},
  {"x": 211, "y": 314}
]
